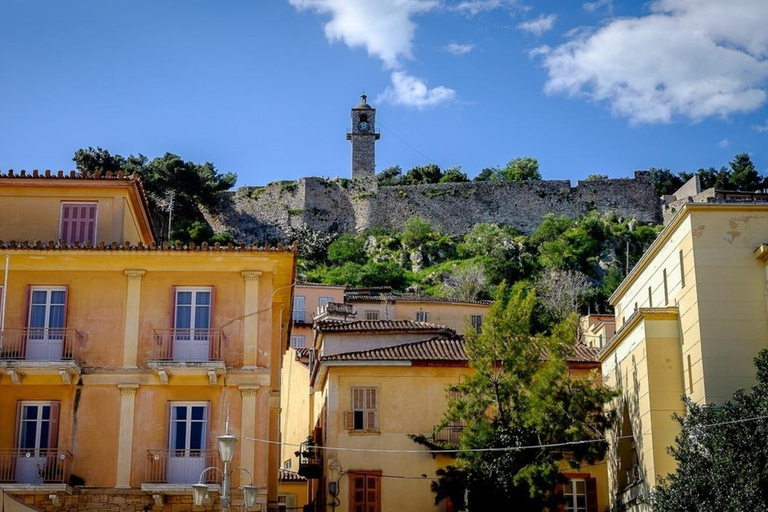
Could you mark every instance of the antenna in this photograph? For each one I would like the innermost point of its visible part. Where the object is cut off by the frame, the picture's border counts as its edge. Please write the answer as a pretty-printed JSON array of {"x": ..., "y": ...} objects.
[{"x": 171, "y": 197}]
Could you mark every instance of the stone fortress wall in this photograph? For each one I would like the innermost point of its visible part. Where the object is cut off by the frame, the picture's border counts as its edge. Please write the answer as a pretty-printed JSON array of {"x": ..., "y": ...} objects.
[{"x": 271, "y": 213}]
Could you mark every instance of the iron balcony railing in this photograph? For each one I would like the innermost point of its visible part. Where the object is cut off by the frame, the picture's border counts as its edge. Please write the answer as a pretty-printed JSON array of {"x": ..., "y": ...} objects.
[
  {"x": 187, "y": 345},
  {"x": 310, "y": 460},
  {"x": 181, "y": 466},
  {"x": 35, "y": 466},
  {"x": 448, "y": 434},
  {"x": 41, "y": 344}
]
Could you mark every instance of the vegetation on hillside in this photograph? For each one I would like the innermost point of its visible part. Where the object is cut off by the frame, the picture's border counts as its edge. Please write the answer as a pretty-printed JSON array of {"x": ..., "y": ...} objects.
[
  {"x": 739, "y": 175},
  {"x": 192, "y": 185},
  {"x": 518, "y": 169},
  {"x": 423, "y": 259}
]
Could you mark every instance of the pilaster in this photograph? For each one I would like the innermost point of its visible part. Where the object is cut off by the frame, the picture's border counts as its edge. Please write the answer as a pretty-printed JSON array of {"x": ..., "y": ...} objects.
[
  {"x": 132, "y": 308},
  {"x": 251, "y": 317},
  {"x": 125, "y": 436},
  {"x": 248, "y": 427}
]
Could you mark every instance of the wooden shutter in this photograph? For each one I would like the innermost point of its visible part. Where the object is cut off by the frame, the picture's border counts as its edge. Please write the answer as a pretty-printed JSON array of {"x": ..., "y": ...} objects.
[
  {"x": 371, "y": 409},
  {"x": 357, "y": 493},
  {"x": 349, "y": 420},
  {"x": 53, "y": 425},
  {"x": 372, "y": 420},
  {"x": 17, "y": 431},
  {"x": 168, "y": 352},
  {"x": 27, "y": 305},
  {"x": 66, "y": 223},
  {"x": 213, "y": 345},
  {"x": 591, "y": 494},
  {"x": 90, "y": 232},
  {"x": 64, "y": 353},
  {"x": 358, "y": 399},
  {"x": 372, "y": 493}
]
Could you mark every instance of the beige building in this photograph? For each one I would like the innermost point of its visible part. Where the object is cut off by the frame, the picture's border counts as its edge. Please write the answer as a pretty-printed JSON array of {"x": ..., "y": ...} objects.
[
  {"x": 383, "y": 304},
  {"x": 690, "y": 317},
  {"x": 307, "y": 299}
]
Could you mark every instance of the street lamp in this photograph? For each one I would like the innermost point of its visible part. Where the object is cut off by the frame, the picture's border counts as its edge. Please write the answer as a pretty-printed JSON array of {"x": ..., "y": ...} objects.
[{"x": 226, "y": 452}]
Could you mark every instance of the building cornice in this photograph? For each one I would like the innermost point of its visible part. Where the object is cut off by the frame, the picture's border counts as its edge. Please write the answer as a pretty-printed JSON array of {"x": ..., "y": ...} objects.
[{"x": 669, "y": 313}]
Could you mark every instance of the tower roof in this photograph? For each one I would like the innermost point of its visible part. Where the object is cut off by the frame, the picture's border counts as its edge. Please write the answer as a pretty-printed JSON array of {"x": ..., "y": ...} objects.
[{"x": 363, "y": 105}]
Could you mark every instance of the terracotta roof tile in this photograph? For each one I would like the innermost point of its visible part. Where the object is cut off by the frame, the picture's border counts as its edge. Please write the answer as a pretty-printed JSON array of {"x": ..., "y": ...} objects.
[
  {"x": 37, "y": 245},
  {"x": 71, "y": 175},
  {"x": 284, "y": 475},
  {"x": 379, "y": 326},
  {"x": 436, "y": 349}
]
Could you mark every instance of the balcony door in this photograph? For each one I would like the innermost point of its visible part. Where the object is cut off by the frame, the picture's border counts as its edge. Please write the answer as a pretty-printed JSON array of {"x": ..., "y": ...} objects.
[
  {"x": 188, "y": 429},
  {"x": 192, "y": 323},
  {"x": 45, "y": 338},
  {"x": 38, "y": 428}
]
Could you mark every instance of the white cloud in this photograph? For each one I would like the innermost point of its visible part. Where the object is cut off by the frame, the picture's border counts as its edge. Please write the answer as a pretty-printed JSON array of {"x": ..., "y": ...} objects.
[
  {"x": 540, "y": 25},
  {"x": 459, "y": 49},
  {"x": 384, "y": 28},
  {"x": 762, "y": 128},
  {"x": 539, "y": 50},
  {"x": 723, "y": 143},
  {"x": 688, "y": 58},
  {"x": 593, "y": 6},
  {"x": 409, "y": 91},
  {"x": 474, "y": 7}
]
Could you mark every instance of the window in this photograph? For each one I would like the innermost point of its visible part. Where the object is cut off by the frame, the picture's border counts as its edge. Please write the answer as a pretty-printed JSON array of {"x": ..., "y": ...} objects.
[
  {"x": 187, "y": 433},
  {"x": 365, "y": 491},
  {"x": 287, "y": 464},
  {"x": 192, "y": 322},
  {"x": 322, "y": 301},
  {"x": 297, "y": 341},
  {"x": 690, "y": 375},
  {"x": 286, "y": 502},
  {"x": 650, "y": 297},
  {"x": 37, "y": 434},
  {"x": 78, "y": 223},
  {"x": 666, "y": 291},
  {"x": 46, "y": 322},
  {"x": 682, "y": 271},
  {"x": 371, "y": 315},
  {"x": 477, "y": 323},
  {"x": 600, "y": 340},
  {"x": 575, "y": 494},
  {"x": 364, "y": 413},
  {"x": 298, "y": 308},
  {"x": 422, "y": 316}
]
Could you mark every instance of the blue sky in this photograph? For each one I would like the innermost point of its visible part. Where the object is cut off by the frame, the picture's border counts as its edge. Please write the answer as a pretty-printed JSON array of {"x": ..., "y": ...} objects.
[{"x": 263, "y": 88}]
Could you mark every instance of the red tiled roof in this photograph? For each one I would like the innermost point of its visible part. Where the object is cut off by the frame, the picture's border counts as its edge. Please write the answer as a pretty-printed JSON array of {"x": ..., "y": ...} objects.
[
  {"x": 321, "y": 285},
  {"x": 436, "y": 349},
  {"x": 71, "y": 175},
  {"x": 379, "y": 326},
  {"x": 285, "y": 475},
  {"x": 440, "y": 349},
  {"x": 302, "y": 352},
  {"x": 409, "y": 297}
]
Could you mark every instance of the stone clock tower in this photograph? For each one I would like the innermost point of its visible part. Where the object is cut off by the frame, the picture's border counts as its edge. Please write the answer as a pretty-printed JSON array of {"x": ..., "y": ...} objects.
[{"x": 363, "y": 137}]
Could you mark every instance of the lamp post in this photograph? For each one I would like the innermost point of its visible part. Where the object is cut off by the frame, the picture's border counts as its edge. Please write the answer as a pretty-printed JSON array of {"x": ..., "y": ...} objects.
[{"x": 226, "y": 452}]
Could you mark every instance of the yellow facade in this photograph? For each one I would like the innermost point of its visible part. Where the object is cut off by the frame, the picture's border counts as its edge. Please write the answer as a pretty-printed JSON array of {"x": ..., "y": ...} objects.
[
  {"x": 97, "y": 332},
  {"x": 690, "y": 316}
]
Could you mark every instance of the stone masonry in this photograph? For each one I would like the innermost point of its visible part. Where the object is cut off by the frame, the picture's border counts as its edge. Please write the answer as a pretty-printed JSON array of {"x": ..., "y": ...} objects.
[{"x": 271, "y": 213}]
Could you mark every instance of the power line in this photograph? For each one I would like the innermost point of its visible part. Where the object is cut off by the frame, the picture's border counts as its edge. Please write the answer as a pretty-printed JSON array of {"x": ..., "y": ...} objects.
[{"x": 403, "y": 141}]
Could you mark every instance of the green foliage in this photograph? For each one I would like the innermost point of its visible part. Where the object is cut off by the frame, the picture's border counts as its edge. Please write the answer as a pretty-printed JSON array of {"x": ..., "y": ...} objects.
[
  {"x": 390, "y": 176},
  {"x": 740, "y": 175},
  {"x": 515, "y": 398},
  {"x": 454, "y": 175},
  {"x": 488, "y": 174},
  {"x": 366, "y": 275},
  {"x": 417, "y": 231},
  {"x": 665, "y": 181},
  {"x": 347, "y": 248},
  {"x": 521, "y": 169},
  {"x": 743, "y": 173},
  {"x": 423, "y": 175},
  {"x": 193, "y": 185},
  {"x": 721, "y": 454},
  {"x": 596, "y": 177}
]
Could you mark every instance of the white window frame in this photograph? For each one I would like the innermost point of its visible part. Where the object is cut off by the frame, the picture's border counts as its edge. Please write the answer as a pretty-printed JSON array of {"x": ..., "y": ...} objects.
[
  {"x": 571, "y": 499},
  {"x": 79, "y": 203},
  {"x": 477, "y": 322},
  {"x": 371, "y": 314},
  {"x": 322, "y": 301},
  {"x": 286, "y": 502},
  {"x": 295, "y": 341},
  {"x": 295, "y": 311},
  {"x": 171, "y": 432},
  {"x": 38, "y": 421},
  {"x": 369, "y": 419},
  {"x": 193, "y": 306},
  {"x": 422, "y": 316}
]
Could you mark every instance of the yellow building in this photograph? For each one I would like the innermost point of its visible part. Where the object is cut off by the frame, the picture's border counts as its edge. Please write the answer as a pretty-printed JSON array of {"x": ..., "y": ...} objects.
[
  {"x": 383, "y": 304},
  {"x": 121, "y": 359},
  {"x": 690, "y": 317},
  {"x": 307, "y": 299},
  {"x": 371, "y": 384}
]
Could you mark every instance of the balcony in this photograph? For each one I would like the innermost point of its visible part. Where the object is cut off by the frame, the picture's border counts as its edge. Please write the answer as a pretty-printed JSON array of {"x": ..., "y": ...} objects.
[
  {"x": 449, "y": 434},
  {"x": 174, "y": 471},
  {"x": 189, "y": 352},
  {"x": 310, "y": 460},
  {"x": 35, "y": 470},
  {"x": 40, "y": 350}
]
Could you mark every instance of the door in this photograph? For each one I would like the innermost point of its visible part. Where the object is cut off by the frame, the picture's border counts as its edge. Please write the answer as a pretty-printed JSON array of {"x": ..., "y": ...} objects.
[
  {"x": 45, "y": 338},
  {"x": 365, "y": 492},
  {"x": 37, "y": 437},
  {"x": 192, "y": 324},
  {"x": 188, "y": 426}
]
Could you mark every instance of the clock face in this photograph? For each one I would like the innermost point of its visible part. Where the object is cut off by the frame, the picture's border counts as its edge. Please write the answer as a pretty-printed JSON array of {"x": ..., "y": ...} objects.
[{"x": 362, "y": 126}]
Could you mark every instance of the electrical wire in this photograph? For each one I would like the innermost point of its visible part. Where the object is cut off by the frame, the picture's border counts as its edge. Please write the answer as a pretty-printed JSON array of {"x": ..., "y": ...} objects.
[{"x": 401, "y": 140}]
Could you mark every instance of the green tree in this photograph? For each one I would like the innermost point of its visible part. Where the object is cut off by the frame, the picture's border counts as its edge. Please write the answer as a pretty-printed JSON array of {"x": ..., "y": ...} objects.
[
  {"x": 721, "y": 454},
  {"x": 347, "y": 248},
  {"x": 488, "y": 174},
  {"x": 454, "y": 175},
  {"x": 664, "y": 181},
  {"x": 515, "y": 397},
  {"x": 744, "y": 176},
  {"x": 417, "y": 231},
  {"x": 390, "y": 176},
  {"x": 522, "y": 169},
  {"x": 423, "y": 175}
]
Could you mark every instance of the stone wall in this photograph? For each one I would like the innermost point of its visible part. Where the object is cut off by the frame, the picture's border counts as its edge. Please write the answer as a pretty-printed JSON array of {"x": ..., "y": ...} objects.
[{"x": 270, "y": 213}]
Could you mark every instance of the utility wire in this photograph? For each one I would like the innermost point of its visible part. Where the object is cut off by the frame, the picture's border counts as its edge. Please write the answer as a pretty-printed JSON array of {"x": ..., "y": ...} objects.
[{"x": 403, "y": 141}]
